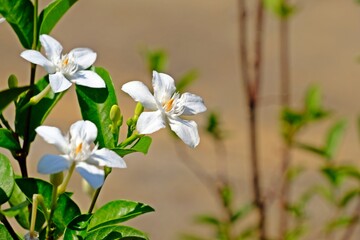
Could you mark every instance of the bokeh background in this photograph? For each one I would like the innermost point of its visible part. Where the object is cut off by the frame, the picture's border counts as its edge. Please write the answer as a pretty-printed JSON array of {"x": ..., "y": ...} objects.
[{"x": 202, "y": 35}]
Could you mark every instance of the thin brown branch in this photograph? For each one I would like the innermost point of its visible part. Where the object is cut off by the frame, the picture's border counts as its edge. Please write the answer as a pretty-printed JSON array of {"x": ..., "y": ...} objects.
[{"x": 355, "y": 218}]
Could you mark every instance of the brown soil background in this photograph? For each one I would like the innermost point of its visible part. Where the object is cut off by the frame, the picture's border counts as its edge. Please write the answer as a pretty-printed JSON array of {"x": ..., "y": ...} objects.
[{"x": 203, "y": 35}]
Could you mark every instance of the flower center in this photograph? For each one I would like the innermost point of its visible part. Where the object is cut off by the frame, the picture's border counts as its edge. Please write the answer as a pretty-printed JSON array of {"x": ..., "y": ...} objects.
[
  {"x": 168, "y": 105},
  {"x": 78, "y": 148},
  {"x": 66, "y": 65}
]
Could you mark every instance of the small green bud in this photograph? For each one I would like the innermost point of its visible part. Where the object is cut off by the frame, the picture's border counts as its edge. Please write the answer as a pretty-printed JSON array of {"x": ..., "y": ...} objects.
[
  {"x": 138, "y": 110},
  {"x": 57, "y": 178},
  {"x": 12, "y": 81},
  {"x": 115, "y": 114},
  {"x": 129, "y": 122}
]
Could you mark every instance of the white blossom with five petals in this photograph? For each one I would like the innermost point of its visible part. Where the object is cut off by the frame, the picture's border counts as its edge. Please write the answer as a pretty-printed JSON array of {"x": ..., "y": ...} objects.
[
  {"x": 76, "y": 148},
  {"x": 65, "y": 69},
  {"x": 167, "y": 105}
]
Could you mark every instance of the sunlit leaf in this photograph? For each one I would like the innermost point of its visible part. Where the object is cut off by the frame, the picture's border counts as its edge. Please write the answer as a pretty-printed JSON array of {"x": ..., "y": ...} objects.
[
  {"x": 142, "y": 145},
  {"x": 20, "y": 15},
  {"x": 340, "y": 222},
  {"x": 52, "y": 14},
  {"x": 95, "y": 105},
  {"x": 348, "y": 196},
  {"x": 333, "y": 139},
  {"x": 116, "y": 232},
  {"x": 77, "y": 228},
  {"x": 4, "y": 234},
  {"x": 116, "y": 212},
  {"x": 6, "y": 179},
  {"x": 17, "y": 199}
]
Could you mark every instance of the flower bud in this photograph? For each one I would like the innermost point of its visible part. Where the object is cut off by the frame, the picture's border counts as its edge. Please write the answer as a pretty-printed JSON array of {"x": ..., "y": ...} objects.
[
  {"x": 57, "y": 178},
  {"x": 12, "y": 81},
  {"x": 115, "y": 115},
  {"x": 138, "y": 110},
  {"x": 32, "y": 236}
]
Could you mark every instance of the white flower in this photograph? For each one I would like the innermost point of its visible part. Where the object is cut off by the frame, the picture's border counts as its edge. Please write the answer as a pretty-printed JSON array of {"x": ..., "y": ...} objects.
[
  {"x": 65, "y": 69},
  {"x": 167, "y": 106},
  {"x": 76, "y": 148},
  {"x": 2, "y": 19}
]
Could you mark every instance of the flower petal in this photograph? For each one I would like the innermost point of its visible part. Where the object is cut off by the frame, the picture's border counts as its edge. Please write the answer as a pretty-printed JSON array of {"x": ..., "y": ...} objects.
[
  {"x": 50, "y": 164},
  {"x": 88, "y": 79},
  {"x": 85, "y": 130},
  {"x": 192, "y": 104},
  {"x": 58, "y": 82},
  {"x": 84, "y": 57},
  {"x": 93, "y": 175},
  {"x": 52, "y": 47},
  {"x": 106, "y": 157},
  {"x": 140, "y": 93},
  {"x": 186, "y": 130},
  {"x": 37, "y": 58},
  {"x": 54, "y": 136},
  {"x": 164, "y": 86},
  {"x": 150, "y": 122}
]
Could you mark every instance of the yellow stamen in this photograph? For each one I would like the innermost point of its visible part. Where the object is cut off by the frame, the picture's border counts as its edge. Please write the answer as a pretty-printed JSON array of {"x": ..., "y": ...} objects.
[
  {"x": 168, "y": 105},
  {"x": 78, "y": 148},
  {"x": 66, "y": 61}
]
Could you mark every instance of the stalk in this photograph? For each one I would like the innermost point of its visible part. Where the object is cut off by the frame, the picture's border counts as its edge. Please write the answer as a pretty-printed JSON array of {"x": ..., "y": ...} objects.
[
  {"x": 21, "y": 157},
  {"x": 252, "y": 90},
  {"x": 285, "y": 92}
]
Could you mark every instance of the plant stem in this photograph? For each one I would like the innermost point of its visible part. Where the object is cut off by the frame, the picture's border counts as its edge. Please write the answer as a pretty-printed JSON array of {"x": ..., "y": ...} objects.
[
  {"x": 252, "y": 89},
  {"x": 285, "y": 84},
  {"x": 26, "y": 145},
  {"x": 94, "y": 199},
  {"x": 8, "y": 227},
  {"x": 54, "y": 198},
  {"x": 62, "y": 188}
]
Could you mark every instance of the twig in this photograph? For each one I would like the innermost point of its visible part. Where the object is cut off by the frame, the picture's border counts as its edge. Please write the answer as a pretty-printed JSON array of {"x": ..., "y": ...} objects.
[{"x": 351, "y": 229}]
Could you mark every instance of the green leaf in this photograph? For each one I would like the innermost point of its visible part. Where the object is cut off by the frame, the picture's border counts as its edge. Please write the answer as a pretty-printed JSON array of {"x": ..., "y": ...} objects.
[
  {"x": 15, "y": 210},
  {"x": 77, "y": 228},
  {"x": 186, "y": 80},
  {"x": 9, "y": 95},
  {"x": 40, "y": 111},
  {"x": 340, "y": 222},
  {"x": 8, "y": 141},
  {"x": 333, "y": 139},
  {"x": 116, "y": 212},
  {"x": 156, "y": 60},
  {"x": 142, "y": 145},
  {"x": 207, "y": 219},
  {"x": 50, "y": 16},
  {"x": 17, "y": 199},
  {"x": 95, "y": 106},
  {"x": 116, "y": 232},
  {"x": 348, "y": 196},
  {"x": 317, "y": 150},
  {"x": 20, "y": 15},
  {"x": 4, "y": 234},
  {"x": 6, "y": 179},
  {"x": 66, "y": 209},
  {"x": 279, "y": 7},
  {"x": 242, "y": 212}
]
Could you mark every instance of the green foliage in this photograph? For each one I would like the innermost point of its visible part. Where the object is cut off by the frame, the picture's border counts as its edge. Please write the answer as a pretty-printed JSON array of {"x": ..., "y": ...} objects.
[
  {"x": 65, "y": 211},
  {"x": 8, "y": 141},
  {"x": 9, "y": 95},
  {"x": 6, "y": 179},
  {"x": 116, "y": 232},
  {"x": 116, "y": 212},
  {"x": 77, "y": 228},
  {"x": 20, "y": 15},
  {"x": 142, "y": 145},
  {"x": 213, "y": 126},
  {"x": 51, "y": 14},
  {"x": 186, "y": 80},
  {"x": 156, "y": 60},
  {"x": 281, "y": 8},
  {"x": 95, "y": 106},
  {"x": 16, "y": 200},
  {"x": 40, "y": 111},
  {"x": 4, "y": 234}
]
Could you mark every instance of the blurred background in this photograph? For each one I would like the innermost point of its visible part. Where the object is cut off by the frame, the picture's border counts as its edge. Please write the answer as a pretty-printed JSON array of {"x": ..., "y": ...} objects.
[{"x": 202, "y": 35}]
